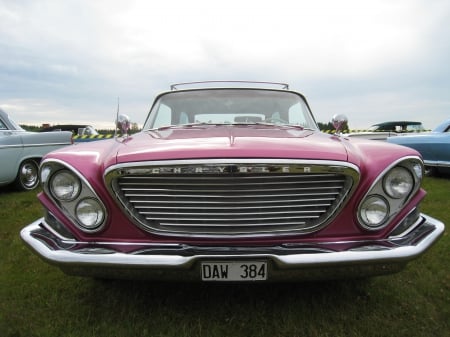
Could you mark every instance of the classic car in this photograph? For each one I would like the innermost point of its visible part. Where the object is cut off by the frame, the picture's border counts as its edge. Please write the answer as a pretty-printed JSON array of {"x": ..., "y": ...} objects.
[
  {"x": 231, "y": 182},
  {"x": 434, "y": 147},
  {"x": 81, "y": 132},
  {"x": 382, "y": 131},
  {"x": 76, "y": 129},
  {"x": 21, "y": 152}
]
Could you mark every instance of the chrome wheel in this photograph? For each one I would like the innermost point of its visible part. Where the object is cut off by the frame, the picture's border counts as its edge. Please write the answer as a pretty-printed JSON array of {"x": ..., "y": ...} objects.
[{"x": 28, "y": 175}]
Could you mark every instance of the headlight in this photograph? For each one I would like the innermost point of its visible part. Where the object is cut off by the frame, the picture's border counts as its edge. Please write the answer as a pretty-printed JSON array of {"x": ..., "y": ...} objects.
[
  {"x": 65, "y": 186},
  {"x": 390, "y": 192},
  {"x": 89, "y": 213},
  {"x": 398, "y": 183},
  {"x": 73, "y": 195},
  {"x": 374, "y": 211}
]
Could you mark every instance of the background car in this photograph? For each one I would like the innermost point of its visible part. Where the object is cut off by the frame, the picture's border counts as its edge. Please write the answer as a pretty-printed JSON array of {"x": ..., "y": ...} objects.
[
  {"x": 81, "y": 133},
  {"x": 21, "y": 151},
  {"x": 398, "y": 127},
  {"x": 382, "y": 131},
  {"x": 231, "y": 184},
  {"x": 434, "y": 147},
  {"x": 76, "y": 129}
]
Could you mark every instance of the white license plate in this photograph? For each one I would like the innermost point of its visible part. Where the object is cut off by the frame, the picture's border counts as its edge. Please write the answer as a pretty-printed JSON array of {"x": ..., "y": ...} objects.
[{"x": 234, "y": 271}]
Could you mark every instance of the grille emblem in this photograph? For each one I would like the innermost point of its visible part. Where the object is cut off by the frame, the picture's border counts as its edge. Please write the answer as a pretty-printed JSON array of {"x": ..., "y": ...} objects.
[{"x": 215, "y": 169}]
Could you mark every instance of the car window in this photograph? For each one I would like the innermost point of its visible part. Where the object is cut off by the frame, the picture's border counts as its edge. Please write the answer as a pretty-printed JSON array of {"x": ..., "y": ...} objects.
[
  {"x": 230, "y": 106},
  {"x": 414, "y": 128},
  {"x": 90, "y": 131},
  {"x": 2, "y": 125}
]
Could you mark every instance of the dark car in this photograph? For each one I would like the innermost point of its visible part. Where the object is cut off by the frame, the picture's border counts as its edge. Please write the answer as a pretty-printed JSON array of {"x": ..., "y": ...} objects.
[
  {"x": 76, "y": 129},
  {"x": 231, "y": 183},
  {"x": 398, "y": 126},
  {"x": 382, "y": 131}
]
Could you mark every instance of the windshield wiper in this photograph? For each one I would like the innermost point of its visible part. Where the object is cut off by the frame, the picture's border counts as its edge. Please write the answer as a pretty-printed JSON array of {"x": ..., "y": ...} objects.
[
  {"x": 283, "y": 125},
  {"x": 201, "y": 124},
  {"x": 181, "y": 126}
]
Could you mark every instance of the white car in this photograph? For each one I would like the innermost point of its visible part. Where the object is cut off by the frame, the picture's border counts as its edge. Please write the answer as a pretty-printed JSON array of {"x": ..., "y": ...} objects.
[{"x": 21, "y": 151}]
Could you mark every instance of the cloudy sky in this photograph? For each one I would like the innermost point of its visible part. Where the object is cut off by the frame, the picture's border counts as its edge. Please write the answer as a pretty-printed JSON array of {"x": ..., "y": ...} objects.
[{"x": 379, "y": 60}]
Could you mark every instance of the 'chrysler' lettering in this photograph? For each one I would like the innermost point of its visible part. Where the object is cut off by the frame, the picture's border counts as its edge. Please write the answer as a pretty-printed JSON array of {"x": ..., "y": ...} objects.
[{"x": 210, "y": 169}]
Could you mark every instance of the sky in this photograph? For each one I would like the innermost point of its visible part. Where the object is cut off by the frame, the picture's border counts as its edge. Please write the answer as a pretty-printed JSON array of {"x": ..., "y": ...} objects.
[{"x": 374, "y": 61}]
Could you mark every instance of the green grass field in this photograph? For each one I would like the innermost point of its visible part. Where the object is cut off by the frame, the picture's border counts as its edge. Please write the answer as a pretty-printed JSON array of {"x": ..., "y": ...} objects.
[{"x": 39, "y": 300}]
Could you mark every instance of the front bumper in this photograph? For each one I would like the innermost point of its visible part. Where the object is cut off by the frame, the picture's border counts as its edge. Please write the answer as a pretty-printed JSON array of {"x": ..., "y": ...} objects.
[{"x": 285, "y": 262}]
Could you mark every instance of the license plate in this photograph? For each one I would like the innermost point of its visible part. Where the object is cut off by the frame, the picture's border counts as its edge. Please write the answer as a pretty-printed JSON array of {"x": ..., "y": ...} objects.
[{"x": 234, "y": 271}]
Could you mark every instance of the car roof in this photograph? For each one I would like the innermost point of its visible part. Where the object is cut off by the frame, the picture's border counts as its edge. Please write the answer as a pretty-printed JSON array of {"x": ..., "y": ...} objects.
[
  {"x": 68, "y": 126},
  {"x": 397, "y": 123}
]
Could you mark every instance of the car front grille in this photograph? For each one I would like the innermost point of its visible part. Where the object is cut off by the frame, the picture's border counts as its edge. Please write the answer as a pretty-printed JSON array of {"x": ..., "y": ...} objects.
[{"x": 232, "y": 198}]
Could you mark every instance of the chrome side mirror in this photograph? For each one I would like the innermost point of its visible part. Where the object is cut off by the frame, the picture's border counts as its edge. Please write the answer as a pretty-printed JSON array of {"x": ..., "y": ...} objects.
[
  {"x": 338, "y": 122},
  {"x": 123, "y": 123}
]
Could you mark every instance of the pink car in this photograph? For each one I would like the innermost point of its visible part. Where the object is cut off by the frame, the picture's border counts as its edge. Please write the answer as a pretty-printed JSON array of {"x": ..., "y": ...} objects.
[{"x": 231, "y": 183}]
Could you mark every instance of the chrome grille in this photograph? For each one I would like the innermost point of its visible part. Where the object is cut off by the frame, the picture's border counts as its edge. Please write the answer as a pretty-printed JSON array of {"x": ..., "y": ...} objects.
[{"x": 269, "y": 202}]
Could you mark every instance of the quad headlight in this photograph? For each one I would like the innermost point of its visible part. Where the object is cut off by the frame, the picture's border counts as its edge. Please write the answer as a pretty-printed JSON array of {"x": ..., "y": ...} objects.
[
  {"x": 398, "y": 182},
  {"x": 65, "y": 186},
  {"x": 74, "y": 195},
  {"x": 89, "y": 213},
  {"x": 389, "y": 193},
  {"x": 374, "y": 211}
]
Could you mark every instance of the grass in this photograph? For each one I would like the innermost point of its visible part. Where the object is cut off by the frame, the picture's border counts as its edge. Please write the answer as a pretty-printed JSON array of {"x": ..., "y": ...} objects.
[{"x": 39, "y": 300}]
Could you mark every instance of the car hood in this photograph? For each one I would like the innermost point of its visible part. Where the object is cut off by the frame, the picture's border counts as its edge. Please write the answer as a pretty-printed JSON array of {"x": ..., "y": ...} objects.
[{"x": 231, "y": 141}]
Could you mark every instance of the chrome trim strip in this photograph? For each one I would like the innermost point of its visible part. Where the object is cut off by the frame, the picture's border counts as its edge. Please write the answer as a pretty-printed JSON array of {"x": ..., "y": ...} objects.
[
  {"x": 284, "y": 86},
  {"x": 34, "y": 145},
  {"x": 402, "y": 223},
  {"x": 437, "y": 163},
  {"x": 60, "y": 237},
  {"x": 330, "y": 163},
  {"x": 87, "y": 258}
]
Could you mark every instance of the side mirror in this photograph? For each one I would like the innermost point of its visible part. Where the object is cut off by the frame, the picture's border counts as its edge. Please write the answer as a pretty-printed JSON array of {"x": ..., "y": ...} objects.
[
  {"x": 338, "y": 122},
  {"x": 123, "y": 124}
]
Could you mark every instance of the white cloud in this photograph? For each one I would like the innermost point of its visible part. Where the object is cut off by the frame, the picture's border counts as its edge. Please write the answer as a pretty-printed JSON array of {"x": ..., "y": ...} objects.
[{"x": 78, "y": 56}]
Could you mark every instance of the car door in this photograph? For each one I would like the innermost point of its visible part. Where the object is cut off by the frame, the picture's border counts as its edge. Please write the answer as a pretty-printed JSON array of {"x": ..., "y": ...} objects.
[
  {"x": 441, "y": 148},
  {"x": 11, "y": 149}
]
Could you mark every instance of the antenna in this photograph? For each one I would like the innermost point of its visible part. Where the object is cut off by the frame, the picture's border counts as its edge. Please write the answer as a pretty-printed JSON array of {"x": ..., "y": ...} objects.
[{"x": 117, "y": 118}]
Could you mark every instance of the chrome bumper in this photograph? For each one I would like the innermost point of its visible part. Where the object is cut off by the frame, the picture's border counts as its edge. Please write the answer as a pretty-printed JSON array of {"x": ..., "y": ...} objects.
[{"x": 286, "y": 262}]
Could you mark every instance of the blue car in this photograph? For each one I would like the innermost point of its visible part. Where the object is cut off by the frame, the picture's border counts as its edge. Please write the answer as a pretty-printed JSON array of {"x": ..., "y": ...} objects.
[{"x": 434, "y": 147}]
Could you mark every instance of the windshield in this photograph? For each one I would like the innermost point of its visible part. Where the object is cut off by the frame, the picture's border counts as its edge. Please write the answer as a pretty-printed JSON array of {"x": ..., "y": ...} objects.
[
  {"x": 230, "y": 106},
  {"x": 14, "y": 125}
]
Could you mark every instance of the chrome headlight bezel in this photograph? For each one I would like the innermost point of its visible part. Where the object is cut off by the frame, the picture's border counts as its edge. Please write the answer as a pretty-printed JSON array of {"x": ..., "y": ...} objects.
[
  {"x": 75, "y": 190},
  {"x": 397, "y": 184}
]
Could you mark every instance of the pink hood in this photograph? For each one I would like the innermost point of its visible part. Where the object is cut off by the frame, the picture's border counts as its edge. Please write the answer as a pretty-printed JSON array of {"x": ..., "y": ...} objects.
[{"x": 235, "y": 141}]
